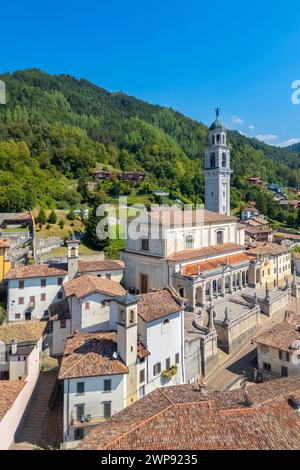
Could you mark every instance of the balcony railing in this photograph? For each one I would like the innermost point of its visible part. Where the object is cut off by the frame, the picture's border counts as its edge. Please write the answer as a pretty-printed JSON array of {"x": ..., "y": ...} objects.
[{"x": 86, "y": 420}]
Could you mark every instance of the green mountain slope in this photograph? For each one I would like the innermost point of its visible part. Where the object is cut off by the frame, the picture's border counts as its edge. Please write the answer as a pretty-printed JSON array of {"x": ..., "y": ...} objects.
[{"x": 56, "y": 129}]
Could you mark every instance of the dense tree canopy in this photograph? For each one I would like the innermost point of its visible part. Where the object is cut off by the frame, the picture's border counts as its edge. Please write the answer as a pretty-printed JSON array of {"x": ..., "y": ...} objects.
[{"x": 56, "y": 129}]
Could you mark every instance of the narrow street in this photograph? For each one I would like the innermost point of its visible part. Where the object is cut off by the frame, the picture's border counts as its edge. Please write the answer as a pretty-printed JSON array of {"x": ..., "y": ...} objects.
[{"x": 237, "y": 364}]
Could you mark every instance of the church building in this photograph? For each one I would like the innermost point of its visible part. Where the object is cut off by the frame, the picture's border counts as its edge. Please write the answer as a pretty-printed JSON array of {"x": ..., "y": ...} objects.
[{"x": 199, "y": 253}]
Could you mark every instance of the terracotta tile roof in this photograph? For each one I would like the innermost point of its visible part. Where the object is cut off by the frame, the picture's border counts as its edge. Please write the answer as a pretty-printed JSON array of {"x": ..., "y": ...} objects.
[
  {"x": 288, "y": 236},
  {"x": 4, "y": 243},
  {"x": 142, "y": 351},
  {"x": 90, "y": 355},
  {"x": 60, "y": 310},
  {"x": 26, "y": 331},
  {"x": 267, "y": 249},
  {"x": 87, "y": 284},
  {"x": 210, "y": 251},
  {"x": 103, "y": 265},
  {"x": 181, "y": 417},
  {"x": 210, "y": 265},
  {"x": 9, "y": 390},
  {"x": 178, "y": 217},
  {"x": 35, "y": 270},
  {"x": 259, "y": 229},
  {"x": 158, "y": 304},
  {"x": 282, "y": 335}
]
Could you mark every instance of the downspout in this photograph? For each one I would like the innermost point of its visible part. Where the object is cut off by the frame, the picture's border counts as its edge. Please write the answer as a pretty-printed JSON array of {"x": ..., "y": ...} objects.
[{"x": 182, "y": 346}]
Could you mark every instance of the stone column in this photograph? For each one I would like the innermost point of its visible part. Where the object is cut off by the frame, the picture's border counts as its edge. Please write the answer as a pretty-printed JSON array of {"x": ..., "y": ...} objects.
[
  {"x": 230, "y": 285},
  {"x": 223, "y": 290},
  {"x": 203, "y": 294},
  {"x": 211, "y": 293}
]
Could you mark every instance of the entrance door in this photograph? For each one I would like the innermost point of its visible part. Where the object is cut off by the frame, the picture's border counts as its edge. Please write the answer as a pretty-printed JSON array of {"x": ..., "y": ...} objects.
[{"x": 144, "y": 283}]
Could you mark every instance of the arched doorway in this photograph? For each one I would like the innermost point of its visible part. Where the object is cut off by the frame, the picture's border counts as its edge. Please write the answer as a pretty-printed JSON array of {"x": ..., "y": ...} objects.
[
  {"x": 207, "y": 291},
  {"x": 199, "y": 296}
]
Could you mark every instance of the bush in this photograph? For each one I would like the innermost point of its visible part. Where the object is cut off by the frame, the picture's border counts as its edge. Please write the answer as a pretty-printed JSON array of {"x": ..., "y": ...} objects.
[
  {"x": 71, "y": 215},
  {"x": 61, "y": 224},
  {"x": 48, "y": 226}
]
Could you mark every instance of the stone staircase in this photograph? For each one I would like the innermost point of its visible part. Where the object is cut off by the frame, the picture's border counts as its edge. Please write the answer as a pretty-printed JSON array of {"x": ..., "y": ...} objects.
[
  {"x": 222, "y": 357},
  {"x": 28, "y": 437}
]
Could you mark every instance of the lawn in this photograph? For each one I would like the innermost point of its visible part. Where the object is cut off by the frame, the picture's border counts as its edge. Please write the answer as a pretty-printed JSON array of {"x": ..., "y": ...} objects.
[
  {"x": 62, "y": 251},
  {"x": 55, "y": 230}
]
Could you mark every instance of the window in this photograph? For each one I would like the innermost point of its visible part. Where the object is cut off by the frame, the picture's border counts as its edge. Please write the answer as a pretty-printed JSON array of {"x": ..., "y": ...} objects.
[
  {"x": 284, "y": 356},
  {"x": 108, "y": 276},
  {"x": 80, "y": 388},
  {"x": 131, "y": 316},
  {"x": 32, "y": 299},
  {"x": 212, "y": 194},
  {"x": 21, "y": 301},
  {"x": 177, "y": 358},
  {"x": 168, "y": 363},
  {"x": 142, "y": 391},
  {"x": 4, "y": 375},
  {"x": 220, "y": 237},
  {"x": 43, "y": 282},
  {"x": 107, "y": 409},
  {"x": 189, "y": 242},
  {"x": 62, "y": 324},
  {"x": 284, "y": 371},
  {"x": 213, "y": 160},
  {"x": 142, "y": 376},
  {"x": 224, "y": 160},
  {"x": 218, "y": 138},
  {"x": 145, "y": 244},
  {"x": 17, "y": 316},
  {"x": 21, "y": 284},
  {"x": 43, "y": 297},
  {"x": 59, "y": 281},
  {"x": 267, "y": 366},
  {"x": 99, "y": 275},
  {"x": 59, "y": 295},
  {"x": 87, "y": 305},
  {"x": 79, "y": 412},
  {"x": 78, "y": 434},
  {"x": 157, "y": 369},
  {"x": 107, "y": 385}
]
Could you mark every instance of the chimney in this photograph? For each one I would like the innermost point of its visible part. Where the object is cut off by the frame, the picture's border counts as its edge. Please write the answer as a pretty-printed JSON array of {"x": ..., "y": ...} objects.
[{"x": 14, "y": 346}]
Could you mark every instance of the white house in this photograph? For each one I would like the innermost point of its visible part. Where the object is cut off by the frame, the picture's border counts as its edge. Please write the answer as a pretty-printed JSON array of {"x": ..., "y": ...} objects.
[
  {"x": 248, "y": 212},
  {"x": 31, "y": 289},
  {"x": 20, "y": 359},
  {"x": 105, "y": 371}
]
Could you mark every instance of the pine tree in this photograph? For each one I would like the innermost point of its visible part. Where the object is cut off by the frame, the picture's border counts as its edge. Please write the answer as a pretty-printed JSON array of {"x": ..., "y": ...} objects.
[
  {"x": 42, "y": 218},
  {"x": 52, "y": 219},
  {"x": 91, "y": 231}
]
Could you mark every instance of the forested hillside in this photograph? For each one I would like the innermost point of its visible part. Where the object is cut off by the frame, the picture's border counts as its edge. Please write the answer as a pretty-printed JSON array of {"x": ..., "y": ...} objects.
[{"x": 55, "y": 129}]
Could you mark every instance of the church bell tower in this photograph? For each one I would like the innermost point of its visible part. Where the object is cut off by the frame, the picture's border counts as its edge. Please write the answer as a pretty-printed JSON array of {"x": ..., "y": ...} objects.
[{"x": 217, "y": 169}]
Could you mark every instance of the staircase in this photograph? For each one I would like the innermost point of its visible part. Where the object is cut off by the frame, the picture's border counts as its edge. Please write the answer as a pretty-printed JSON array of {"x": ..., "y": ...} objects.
[{"x": 28, "y": 436}]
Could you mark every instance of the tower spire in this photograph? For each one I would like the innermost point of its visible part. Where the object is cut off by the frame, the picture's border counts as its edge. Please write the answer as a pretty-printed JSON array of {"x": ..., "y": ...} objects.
[{"x": 218, "y": 110}]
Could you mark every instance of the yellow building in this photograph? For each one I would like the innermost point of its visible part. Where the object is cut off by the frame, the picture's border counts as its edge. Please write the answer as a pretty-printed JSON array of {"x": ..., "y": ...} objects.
[
  {"x": 4, "y": 261},
  {"x": 270, "y": 264}
]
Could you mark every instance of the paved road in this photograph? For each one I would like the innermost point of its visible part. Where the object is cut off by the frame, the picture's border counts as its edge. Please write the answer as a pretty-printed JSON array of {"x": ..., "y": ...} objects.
[{"x": 234, "y": 367}]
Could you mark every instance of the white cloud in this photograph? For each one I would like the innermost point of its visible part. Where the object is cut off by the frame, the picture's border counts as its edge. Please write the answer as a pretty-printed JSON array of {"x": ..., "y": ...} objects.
[
  {"x": 266, "y": 137},
  {"x": 288, "y": 142},
  {"x": 237, "y": 120},
  {"x": 251, "y": 127}
]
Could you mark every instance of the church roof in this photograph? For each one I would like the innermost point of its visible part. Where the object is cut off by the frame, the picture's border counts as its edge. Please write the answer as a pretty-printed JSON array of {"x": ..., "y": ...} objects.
[
  {"x": 216, "y": 125},
  {"x": 177, "y": 217},
  {"x": 207, "y": 252}
]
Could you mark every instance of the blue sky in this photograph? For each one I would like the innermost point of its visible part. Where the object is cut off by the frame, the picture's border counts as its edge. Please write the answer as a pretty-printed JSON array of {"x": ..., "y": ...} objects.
[{"x": 190, "y": 55}]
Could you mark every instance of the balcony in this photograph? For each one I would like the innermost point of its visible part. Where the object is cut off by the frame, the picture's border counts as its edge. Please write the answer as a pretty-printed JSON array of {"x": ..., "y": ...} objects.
[{"x": 86, "y": 420}]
